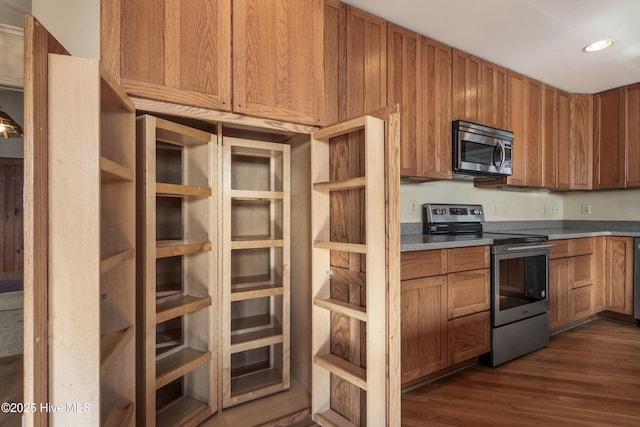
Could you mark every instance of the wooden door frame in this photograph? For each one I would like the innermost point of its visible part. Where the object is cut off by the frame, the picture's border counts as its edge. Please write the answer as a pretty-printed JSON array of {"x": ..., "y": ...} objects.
[{"x": 38, "y": 43}]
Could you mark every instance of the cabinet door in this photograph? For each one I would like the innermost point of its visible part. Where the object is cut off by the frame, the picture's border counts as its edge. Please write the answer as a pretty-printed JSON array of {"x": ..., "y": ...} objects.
[
  {"x": 465, "y": 86},
  {"x": 168, "y": 50},
  {"x": 468, "y": 292},
  {"x": 434, "y": 120},
  {"x": 610, "y": 111},
  {"x": 533, "y": 138},
  {"x": 580, "y": 303},
  {"x": 404, "y": 88},
  {"x": 620, "y": 274},
  {"x": 633, "y": 136},
  {"x": 469, "y": 336},
  {"x": 423, "y": 326},
  {"x": 599, "y": 288},
  {"x": 549, "y": 140},
  {"x": 277, "y": 59},
  {"x": 558, "y": 293},
  {"x": 517, "y": 124},
  {"x": 581, "y": 142},
  {"x": 563, "y": 114},
  {"x": 494, "y": 96}
]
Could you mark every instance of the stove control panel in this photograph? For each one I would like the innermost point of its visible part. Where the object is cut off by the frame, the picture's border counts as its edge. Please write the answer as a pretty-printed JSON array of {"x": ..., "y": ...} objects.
[{"x": 444, "y": 213}]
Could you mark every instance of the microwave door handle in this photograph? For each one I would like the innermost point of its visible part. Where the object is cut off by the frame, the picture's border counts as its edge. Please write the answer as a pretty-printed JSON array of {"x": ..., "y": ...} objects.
[{"x": 503, "y": 154}]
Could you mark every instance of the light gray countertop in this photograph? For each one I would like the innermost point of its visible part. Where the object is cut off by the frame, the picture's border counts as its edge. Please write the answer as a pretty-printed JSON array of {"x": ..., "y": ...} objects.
[{"x": 421, "y": 242}]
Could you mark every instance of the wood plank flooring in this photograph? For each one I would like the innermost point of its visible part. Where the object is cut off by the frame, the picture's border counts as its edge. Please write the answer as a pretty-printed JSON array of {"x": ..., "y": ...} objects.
[
  {"x": 11, "y": 388},
  {"x": 587, "y": 376}
]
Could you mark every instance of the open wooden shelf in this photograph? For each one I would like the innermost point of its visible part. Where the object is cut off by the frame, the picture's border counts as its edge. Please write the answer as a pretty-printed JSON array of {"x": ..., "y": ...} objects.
[
  {"x": 253, "y": 332},
  {"x": 182, "y": 412},
  {"x": 111, "y": 344},
  {"x": 341, "y": 307},
  {"x": 119, "y": 417},
  {"x": 260, "y": 383},
  {"x": 178, "y": 364},
  {"x": 252, "y": 291},
  {"x": 252, "y": 242},
  {"x": 256, "y": 195},
  {"x": 169, "y": 248},
  {"x": 109, "y": 263},
  {"x": 332, "y": 418},
  {"x": 339, "y": 246},
  {"x": 179, "y": 307},
  {"x": 175, "y": 190},
  {"x": 113, "y": 171},
  {"x": 345, "y": 370},
  {"x": 341, "y": 185}
]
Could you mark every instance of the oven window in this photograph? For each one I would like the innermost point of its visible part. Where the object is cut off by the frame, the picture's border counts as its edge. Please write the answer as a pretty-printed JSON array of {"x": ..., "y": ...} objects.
[
  {"x": 483, "y": 154},
  {"x": 522, "y": 281}
]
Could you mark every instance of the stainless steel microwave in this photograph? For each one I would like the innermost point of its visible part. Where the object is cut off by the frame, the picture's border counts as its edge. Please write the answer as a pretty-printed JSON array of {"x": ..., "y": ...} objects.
[{"x": 481, "y": 150}]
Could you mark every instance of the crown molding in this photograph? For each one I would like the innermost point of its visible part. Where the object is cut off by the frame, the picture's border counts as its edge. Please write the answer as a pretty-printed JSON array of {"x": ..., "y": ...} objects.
[{"x": 10, "y": 32}]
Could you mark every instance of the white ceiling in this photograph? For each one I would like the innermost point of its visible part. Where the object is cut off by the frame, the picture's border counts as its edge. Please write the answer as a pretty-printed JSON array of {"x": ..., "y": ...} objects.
[
  {"x": 542, "y": 39},
  {"x": 12, "y": 12}
]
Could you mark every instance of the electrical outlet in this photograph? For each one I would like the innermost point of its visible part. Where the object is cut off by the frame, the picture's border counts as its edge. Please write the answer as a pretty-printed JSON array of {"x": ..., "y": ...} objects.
[
  {"x": 586, "y": 209},
  {"x": 414, "y": 207},
  {"x": 555, "y": 210}
]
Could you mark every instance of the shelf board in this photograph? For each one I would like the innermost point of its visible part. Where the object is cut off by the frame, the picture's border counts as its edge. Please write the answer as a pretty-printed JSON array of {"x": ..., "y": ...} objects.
[
  {"x": 257, "y": 384},
  {"x": 112, "y": 171},
  {"x": 111, "y": 344},
  {"x": 253, "y": 332},
  {"x": 180, "y": 306},
  {"x": 174, "y": 190},
  {"x": 345, "y": 370},
  {"x": 178, "y": 364},
  {"x": 170, "y": 248},
  {"x": 256, "y": 195},
  {"x": 339, "y": 246},
  {"x": 256, "y": 291},
  {"x": 341, "y": 307},
  {"x": 341, "y": 185},
  {"x": 182, "y": 412},
  {"x": 255, "y": 242},
  {"x": 332, "y": 418},
  {"x": 109, "y": 263},
  {"x": 119, "y": 417}
]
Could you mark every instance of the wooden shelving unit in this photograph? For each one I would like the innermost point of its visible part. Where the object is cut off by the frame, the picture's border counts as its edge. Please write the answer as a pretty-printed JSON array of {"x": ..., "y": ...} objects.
[
  {"x": 177, "y": 217},
  {"x": 255, "y": 269},
  {"x": 92, "y": 245},
  {"x": 352, "y": 262}
]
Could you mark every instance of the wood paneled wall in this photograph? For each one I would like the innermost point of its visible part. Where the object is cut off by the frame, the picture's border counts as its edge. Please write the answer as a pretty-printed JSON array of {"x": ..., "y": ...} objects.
[{"x": 11, "y": 213}]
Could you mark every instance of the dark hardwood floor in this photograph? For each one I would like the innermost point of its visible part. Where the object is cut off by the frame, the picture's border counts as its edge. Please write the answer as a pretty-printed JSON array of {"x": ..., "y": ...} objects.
[
  {"x": 10, "y": 388},
  {"x": 587, "y": 376}
]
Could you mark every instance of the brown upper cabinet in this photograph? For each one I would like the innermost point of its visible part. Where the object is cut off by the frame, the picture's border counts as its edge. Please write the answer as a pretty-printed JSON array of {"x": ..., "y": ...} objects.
[
  {"x": 170, "y": 51},
  {"x": 581, "y": 142},
  {"x": 278, "y": 60},
  {"x": 609, "y": 138},
  {"x": 525, "y": 121},
  {"x": 479, "y": 90},
  {"x": 563, "y": 144},
  {"x": 633, "y": 135},
  {"x": 419, "y": 79},
  {"x": 549, "y": 137},
  {"x": 181, "y": 52}
]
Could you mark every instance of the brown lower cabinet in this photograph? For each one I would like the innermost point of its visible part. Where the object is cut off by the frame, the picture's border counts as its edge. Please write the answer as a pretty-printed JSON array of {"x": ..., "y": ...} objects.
[{"x": 445, "y": 308}]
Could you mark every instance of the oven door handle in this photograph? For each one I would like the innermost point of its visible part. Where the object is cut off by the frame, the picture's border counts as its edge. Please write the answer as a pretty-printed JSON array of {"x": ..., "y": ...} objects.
[{"x": 527, "y": 248}]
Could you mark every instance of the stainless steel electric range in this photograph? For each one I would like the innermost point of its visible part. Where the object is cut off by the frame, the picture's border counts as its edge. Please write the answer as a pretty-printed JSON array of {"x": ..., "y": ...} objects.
[{"x": 519, "y": 279}]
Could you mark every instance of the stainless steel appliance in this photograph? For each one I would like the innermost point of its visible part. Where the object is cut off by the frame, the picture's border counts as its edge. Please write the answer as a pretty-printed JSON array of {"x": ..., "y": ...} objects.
[
  {"x": 481, "y": 150},
  {"x": 519, "y": 284},
  {"x": 636, "y": 281}
]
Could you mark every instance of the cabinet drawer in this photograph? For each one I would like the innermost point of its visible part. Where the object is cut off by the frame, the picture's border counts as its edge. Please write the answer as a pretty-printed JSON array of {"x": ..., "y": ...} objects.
[
  {"x": 468, "y": 292},
  {"x": 580, "y": 303},
  {"x": 580, "y": 246},
  {"x": 560, "y": 249},
  {"x": 469, "y": 336},
  {"x": 464, "y": 259},
  {"x": 581, "y": 271},
  {"x": 422, "y": 264}
]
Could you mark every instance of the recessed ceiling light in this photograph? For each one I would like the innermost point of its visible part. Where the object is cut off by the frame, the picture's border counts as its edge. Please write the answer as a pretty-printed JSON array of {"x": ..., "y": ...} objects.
[{"x": 599, "y": 45}]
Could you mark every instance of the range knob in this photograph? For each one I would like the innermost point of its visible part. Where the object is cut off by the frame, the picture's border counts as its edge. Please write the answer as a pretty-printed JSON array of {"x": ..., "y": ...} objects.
[
  {"x": 476, "y": 211},
  {"x": 438, "y": 211}
]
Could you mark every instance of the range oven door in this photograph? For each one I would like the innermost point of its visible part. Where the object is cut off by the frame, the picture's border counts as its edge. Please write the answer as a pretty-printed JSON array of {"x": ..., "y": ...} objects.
[{"x": 520, "y": 282}]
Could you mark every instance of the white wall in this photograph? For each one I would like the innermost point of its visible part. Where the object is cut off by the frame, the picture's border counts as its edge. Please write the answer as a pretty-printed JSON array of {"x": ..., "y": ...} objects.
[
  {"x": 615, "y": 205},
  {"x": 499, "y": 205},
  {"x": 74, "y": 23}
]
